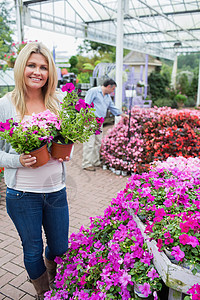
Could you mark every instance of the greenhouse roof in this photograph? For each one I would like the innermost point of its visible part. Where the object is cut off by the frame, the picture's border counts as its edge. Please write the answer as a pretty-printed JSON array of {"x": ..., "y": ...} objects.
[
  {"x": 7, "y": 78},
  {"x": 158, "y": 27}
]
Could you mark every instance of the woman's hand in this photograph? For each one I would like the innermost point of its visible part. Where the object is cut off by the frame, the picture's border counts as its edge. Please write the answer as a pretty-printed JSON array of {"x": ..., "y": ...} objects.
[
  {"x": 66, "y": 159},
  {"x": 27, "y": 160}
]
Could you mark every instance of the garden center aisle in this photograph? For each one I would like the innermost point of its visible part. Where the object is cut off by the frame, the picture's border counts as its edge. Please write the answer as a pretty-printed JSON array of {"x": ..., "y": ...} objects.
[{"x": 89, "y": 193}]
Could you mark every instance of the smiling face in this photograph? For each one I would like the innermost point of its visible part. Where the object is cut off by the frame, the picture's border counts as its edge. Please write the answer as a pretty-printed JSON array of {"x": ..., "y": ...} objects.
[{"x": 36, "y": 71}]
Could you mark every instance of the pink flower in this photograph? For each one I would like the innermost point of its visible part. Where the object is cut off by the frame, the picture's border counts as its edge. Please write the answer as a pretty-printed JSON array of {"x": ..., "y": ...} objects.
[
  {"x": 193, "y": 241},
  {"x": 145, "y": 289},
  {"x": 125, "y": 279},
  {"x": 167, "y": 203},
  {"x": 177, "y": 253},
  {"x": 68, "y": 87},
  {"x": 184, "y": 227},
  {"x": 184, "y": 239},
  {"x": 155, "y": 295},
  {"x": 159, "y": 244},
  {"x": 153, "y": 274}
]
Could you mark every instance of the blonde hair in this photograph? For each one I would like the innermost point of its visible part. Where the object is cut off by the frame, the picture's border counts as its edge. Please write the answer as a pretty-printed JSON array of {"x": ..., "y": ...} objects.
[{"x": 48, "y": 90}]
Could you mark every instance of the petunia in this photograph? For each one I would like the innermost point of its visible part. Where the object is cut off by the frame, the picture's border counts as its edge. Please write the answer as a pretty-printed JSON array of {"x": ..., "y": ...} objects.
[
  {"x": 177, "y": 253},
  {"x": 145, "y": 289}
]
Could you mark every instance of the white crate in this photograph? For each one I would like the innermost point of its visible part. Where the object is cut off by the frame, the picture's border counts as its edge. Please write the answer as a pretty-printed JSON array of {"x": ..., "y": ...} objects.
[{"x": 178, "y": 279}]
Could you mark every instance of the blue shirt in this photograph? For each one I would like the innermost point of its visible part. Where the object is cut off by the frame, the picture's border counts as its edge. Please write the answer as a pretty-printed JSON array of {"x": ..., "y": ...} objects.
[{"x": 101, "y": 103}]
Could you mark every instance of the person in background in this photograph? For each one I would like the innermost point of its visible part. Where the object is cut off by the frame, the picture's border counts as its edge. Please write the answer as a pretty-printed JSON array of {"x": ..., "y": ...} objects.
[
  {"x": 100, "y": 97},
  {"x": 35, "y": 197}
]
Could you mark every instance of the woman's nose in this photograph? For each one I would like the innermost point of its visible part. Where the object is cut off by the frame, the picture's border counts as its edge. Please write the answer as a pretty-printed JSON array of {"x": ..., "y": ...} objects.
[{"x": 37, "y": 70}]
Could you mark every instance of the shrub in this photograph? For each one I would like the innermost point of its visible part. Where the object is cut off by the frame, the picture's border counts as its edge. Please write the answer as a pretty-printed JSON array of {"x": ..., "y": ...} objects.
[
  {"x": 180, "y": 98},
  {"x": 165, "y": 102}
]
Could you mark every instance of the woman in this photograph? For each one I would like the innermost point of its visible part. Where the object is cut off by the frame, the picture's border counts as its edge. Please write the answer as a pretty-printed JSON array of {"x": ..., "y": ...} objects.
[{"x": 35, "y": 197}]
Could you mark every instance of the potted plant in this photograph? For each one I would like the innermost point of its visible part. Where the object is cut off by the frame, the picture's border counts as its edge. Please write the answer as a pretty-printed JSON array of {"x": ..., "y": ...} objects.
[
  {"x": 77, "y": 120},
  {"x": 29, "y": 135},
  {"x": 180, "y": 100},
  {"x": 10, "y": 59}
]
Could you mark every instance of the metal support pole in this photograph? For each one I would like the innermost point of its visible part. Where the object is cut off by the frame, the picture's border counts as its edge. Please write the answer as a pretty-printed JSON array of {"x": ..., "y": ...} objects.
[
  {"x": 146, "y": 75},
  {"x": 174, "y": 72},
  {"x": 19, "y": 21},
  {"x": 119, "y": 54},
  {"x": 198, "y": 90}
]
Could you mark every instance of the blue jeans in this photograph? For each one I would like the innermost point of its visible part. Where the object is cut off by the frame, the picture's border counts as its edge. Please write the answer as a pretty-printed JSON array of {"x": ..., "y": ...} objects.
[{"x": 29, "y": 212}]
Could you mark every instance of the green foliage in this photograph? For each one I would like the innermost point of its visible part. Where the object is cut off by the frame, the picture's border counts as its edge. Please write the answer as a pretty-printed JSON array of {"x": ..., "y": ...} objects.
[
  {"x": 189, "y": 61},
  {"x": 84, "y": 77},
  {"x": 74, "y": 70},
  {"x": 88, "y": 66},
  {"x": 88, "y": 46},
  {"x": 73, "y": 61},
  {"x": 5, "y": 29},
  {"x": 158, "y": 84},
  {"x": 183, "y": 84},
  {"x": 180, "y": 98},
  {"x": 190, "y": 102},
  {"x": 160, "y": 102}
]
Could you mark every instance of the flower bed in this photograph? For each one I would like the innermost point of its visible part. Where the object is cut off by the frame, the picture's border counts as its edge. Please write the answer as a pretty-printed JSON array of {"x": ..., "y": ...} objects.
[
  {"x": 105, "y": 260},
  {"x": 154, "y": 134}
]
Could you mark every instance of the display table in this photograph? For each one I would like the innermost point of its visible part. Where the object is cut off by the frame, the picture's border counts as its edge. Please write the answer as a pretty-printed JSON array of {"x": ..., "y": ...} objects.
[{"x": 178, "y": 279}]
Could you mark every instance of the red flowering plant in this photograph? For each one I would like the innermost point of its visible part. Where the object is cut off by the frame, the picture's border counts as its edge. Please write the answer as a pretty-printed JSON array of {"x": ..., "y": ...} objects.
[
  {"x": 1, "y": 173},
  {"x": 154, "y": 134},
  {"x": 167, "y": 199},
  {"x": 77, "y": 118}
]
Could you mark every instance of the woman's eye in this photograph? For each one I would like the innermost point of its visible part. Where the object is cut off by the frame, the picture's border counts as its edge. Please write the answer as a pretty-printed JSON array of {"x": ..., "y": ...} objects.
[
  {"x": 44, "y": 68},
  {"x": 31, "y": 66}
]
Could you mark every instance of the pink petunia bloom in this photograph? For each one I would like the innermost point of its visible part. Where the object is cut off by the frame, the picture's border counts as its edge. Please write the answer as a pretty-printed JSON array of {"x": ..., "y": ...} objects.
[
  {"x": 193, "y": 241},
  {"x": 167, "y": 203},
  {"x": 185, "y": 227},
  {"x": 125, "y": 279},
  {"x": 68, "y": 87},
  {"x": 83, "y": 282},
  {"x": 155, "y": 295},
  {"x": 159, "y": 244},
  {"x": 153, "y": 274},
  {"x": 177, "y": 253},
  {"x": 184, "y": 239},
  {"x": 145, "y": 289}
]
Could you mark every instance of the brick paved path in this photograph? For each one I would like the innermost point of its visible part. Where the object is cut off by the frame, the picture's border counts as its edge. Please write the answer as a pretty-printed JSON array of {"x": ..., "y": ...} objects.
[{"x": 89, "y": 193}]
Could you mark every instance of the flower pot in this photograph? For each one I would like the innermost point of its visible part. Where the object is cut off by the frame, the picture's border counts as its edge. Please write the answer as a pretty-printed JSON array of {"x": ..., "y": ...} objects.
[
  {"x": 118, "y": 172},
  {"x": 124, "y": 173},
  {"x": 104, "y": 167},
  {"x": 42, "y": 156},
  {"x": 61, "y": 150},
  {"x": 10, "y": 64}
]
